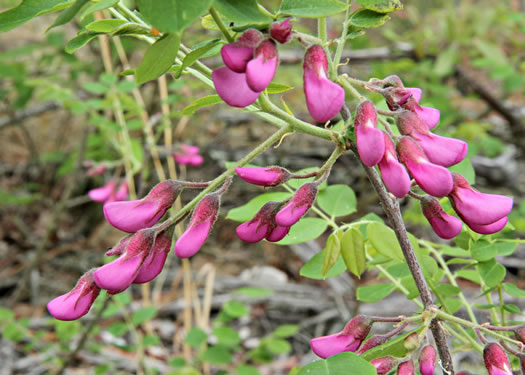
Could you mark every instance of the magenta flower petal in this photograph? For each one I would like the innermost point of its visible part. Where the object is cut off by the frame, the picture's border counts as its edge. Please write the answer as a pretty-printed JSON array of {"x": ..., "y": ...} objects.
[
  {"x": 444, "y": 225},
  {"x": 300, "y": 203},
  {"x": 406, "y": 368},
  {"x": 271, "y": 176},
  {"x": 370, "y": 140},
  {"x": 131, "y": 216},
  {"x": 232, "y": 87},
  {"x": 496, "y": 360},
  {"x": 155, "y": 260},
  {"x": 278, "y": 233},
  {"x": 102, "y": 194},
  {"x": 77, "y": 302},
  {"x": 383, "y": 365},
  {"x": 324, "y": 98},
  {"x": 236, "y": 57},
  {"x": 442, "y": 150},
  {"x": 192, "y": 240},
  {"x": 427, "y": 360},
  {"x": 252, "y": 231},
  {"x": 281, "y": 32},
  {"x": 489, "y": 228},
  {"x": 259, "y": 73},
  {"x": 122, "y": 192},
  {"x": 415, "y": 91},
  {"x": 327, "y": 346},
  {"x": 429, "y": 115},
  {"x": 393, "y": 173},
  {"x": 478, "y": 208}
]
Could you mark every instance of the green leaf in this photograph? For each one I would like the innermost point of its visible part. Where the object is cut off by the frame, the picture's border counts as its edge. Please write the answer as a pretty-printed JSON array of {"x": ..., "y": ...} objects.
[
  {"x": 484, "y": 250},
  {"x": 444, "y": 66},
  {"x": 512, "y": 308},
  {"x": 353, "y": 251},
  {"x": 491, "y": 272},
  {"x": 195, "y": 337},
  {"x": 337, "y": 200},
  {"x": 277, "y": 346},
  {"x": 80, "y": 41},
  {"x": 172, "y": 16},
  {"x": 374, "y": 293},
  {"x": 453, "y": 305},
  {"x": 286, "y": 330},
  {"x": 394, "y": 347},
  {"x": 512, "y": 290},
  {"x": 254, "y": 292},
  {"x": 247, "y": 370},
  {"x": 29, "y": 9},
  {"x": 384, "y": 241},
  {"x": 306, "y": 229},
  {"x": 6, "y": 314},
  {"x": 313, "y": 268},
  {"x": 381, "y": 6},
  {"x": 332, "y": 251},
  {"x": 218, "y": 355},
  {"x": 201, "y": 102},
  {"x": 340, "y": 364},
  {"x": 13, "y": 332},
  {"x": 68, "y": 14},
  {"x": 235, "y": 309},
  {"x": 368, "y": 19},
  {"x": 130, "y": 28},
  {"x": 241, "y": 11},
  {"x": 194, "y": 55},
  {"x": 447, "y": 290},
  {"x": 118, "y": 329},
  {"x": 454, "y": 252},
  {"x": 227, "y": 336},
  {"x": 469, "y": 275},
  {"x": 312, "y": 8},
  {"x": 104, "y": 26},
  {"x": 95, "y": 87},
  {"x": 95, "y": 7},
  {"x": 158, "y": 58},
  {"x": 150, "y": 340},
  {"x": 248, "y": 210},
  {"x": 143, "y": 315},
  {"x": 277, "y": 88}
]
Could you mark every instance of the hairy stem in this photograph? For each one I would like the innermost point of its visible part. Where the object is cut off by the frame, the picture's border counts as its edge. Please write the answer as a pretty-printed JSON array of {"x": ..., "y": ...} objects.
[{"x": 221, "y": 25}]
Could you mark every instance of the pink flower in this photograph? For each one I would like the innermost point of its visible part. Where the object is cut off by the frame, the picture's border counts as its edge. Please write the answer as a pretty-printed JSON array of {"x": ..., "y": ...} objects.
[
  {"x": 233, "y": 88},
  {"x": 281, "y": 32},
  {"x": 96, "y": 170},
  {"x": 77, "y": 302},
  {"x": 429, "y": 115},
  {"x": 348, "y": 340},
  {"x": 439, "y": 150},
  {"x": 102, "y": 194},
  {"x": 118, "y": 275},
  {"x": 383, "y": 365},
  {"x": 324, "y": 98},
  {"x": 408, "y": 98},
  {"x": 156, "y": 258},
  {"x": 270, "y": 176},
  {"x": 300, "y": 203},
  {"x": 122, "y": 192},
  {"x": 236, "y": 55},
  {"x": 370, "y": 140},
  {"x": 432, "y": 178},
  {"x": 130, "y": 216},
  {"x": 477, "y": 208},
  {"x": 393, "y": 173},
  {"x": 201, "y": 222},
  {"x": 444, "y": 225},
  {"x": 496, "y": 360},
  {"x": 406, "y": 368},
  {"x": 188, "y": 155},
  {"x": 262, "y": 224},
  {"x": 489, "y": 228},
  {"x": 278, "y": 233},
  {"x": 372, "y": 342},
  {"x": 427, "y": 360},
  {"x": 261, "y": 69}
]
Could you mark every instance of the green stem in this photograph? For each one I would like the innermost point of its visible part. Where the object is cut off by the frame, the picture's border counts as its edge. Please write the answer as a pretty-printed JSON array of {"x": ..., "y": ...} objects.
[
  {"x": 349, "y": 88},
  {"x": 342, "y": 41},
  {"x": 265, "y": 11},
  {"x": 338, "y": 151},
  {"x": 501, "y": 305},
  {"x": 229, "y": 172},
  {"x": 221, "y": 25},
  {"x": 493, "y": 313},
  {"x": 321, "y": 29}
]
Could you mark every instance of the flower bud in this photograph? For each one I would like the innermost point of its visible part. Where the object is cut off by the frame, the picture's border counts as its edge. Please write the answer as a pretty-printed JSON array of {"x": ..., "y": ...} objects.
[
  {"x": 236, "y": 55},
  {"x": 300, "y": 203},
  {"x": 156, "y": 258},
  {"x": 383, "y": 365},
  {"x": 406, "y": 368},
  {"x": 270, "y": 176},
  {"x": 77, "y": 302},
  {"x": 102, "y": 194},
  {"x": 324, "y": 98},
  {"x": 408, "y": 98},
  {"x": 119, "y": 248},
  {"x": 261, "y": 69},
  {"x": 118, "y": 275},
  {"x": 393, "y": 173},
  {"x": 370, "y": 140},
  {"x": 427, "y": 360},
  {"x": 411, "y": 342},
  {"x": 519, "y": 333},
  {"x": 444, "y": 225},
  {"x": 372, "y": 342},
  {"x": 433, "y": 179},
  {"x": 429, "y": 115},
  {"x": 489, "y": 228},
  {"x": 130, "y": 216},
  {"x": 202, "y": 220},
  {"x": 439, "y": 150},
  {"x": 281, "y": 32},
  {"x": 477, "y": 208},
  {"x": 496, "y": 360},
  {"x": 359, "y": 327},
  {"x": 262, "y": 224}
]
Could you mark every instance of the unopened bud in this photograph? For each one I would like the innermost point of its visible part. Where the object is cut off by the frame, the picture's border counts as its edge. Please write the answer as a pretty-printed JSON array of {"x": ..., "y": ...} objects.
[
  {"x": 411, "y": 342},
  {"x": 406, "y": 368},
  {"x": 427, "y": 360},
  {"x": 496, "y": 360},
  {"x": 268, "y": 177},
  {"x": 281, "y": 32},
  {"x": 383, "y": 365}
]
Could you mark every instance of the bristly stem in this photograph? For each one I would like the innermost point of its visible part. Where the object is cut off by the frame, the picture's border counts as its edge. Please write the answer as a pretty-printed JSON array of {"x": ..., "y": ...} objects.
[{"x": 217, "y": 18}]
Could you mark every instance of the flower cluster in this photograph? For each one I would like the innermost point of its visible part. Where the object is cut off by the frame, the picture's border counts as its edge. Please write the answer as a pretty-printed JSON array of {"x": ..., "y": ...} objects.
[
  {"x": 425, "y": 157},
  {"x": 142, "y": 253},
  {"x": 274, "y": 219},
  {"x": 109, "y": 192},
  {"x": 188, "y": 155}
]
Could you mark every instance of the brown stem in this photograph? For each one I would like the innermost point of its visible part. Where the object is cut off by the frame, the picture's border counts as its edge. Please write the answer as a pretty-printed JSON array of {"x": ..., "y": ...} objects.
[{"x": 391, "y": 208}]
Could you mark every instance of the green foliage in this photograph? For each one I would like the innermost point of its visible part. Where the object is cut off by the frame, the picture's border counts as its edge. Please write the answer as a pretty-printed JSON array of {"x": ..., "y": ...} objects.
[
  {"x": 339, "y": 365},
  {"x": 248, "y": 210},
  {"x": 353, "y": 251},
  {"x": 241, "y": 11},
  {"x": 381, "y": 6},
  {"x": 312, "y": 8},
  {"x": 172, "y": 16},
  {"x": 306, "y": 229},
  {"x": 374, "y": 293},
  {"x": 142, "y": 315},
  {"x": 27, "y": 10},
  {"x": 196, "y": 337},
  {"x": 337, "y": 200},
  {"x": 158, "y": 58},
  {"x": 68, "y": 14},
  {"x": 368, "y": 19},
  {"x": 313, "y": 269}
]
